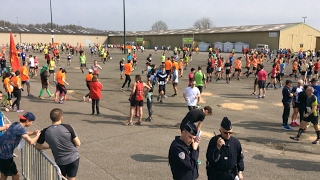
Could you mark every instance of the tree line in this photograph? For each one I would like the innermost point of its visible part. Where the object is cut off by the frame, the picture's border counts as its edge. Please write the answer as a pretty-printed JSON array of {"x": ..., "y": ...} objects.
[
  {"x": 45, "y": 25},
  {"x": 202, "y": 23}
]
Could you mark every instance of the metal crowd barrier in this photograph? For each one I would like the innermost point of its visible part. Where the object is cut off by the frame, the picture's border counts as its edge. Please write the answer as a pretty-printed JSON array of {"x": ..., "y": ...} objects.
[{"x": 36, "y": 165}]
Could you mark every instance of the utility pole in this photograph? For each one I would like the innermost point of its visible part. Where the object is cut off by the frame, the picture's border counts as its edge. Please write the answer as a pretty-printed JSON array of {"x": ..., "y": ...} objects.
[{"x": 124, "y": 26}]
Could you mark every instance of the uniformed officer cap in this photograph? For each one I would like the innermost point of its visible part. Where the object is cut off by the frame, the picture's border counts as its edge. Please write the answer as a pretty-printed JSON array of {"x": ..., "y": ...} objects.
[
  {"x": 226, "y": 124},
  {"x": 191, "y": 128}
]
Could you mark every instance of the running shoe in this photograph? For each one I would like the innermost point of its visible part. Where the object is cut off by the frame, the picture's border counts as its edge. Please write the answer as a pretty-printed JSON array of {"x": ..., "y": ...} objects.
[
  {"x": 308, "y": 125},
  {"x": 283, "y": 125},
  {"x": 121, "y": 89},
  {"x": 41, "y": 97},
  {"x": 164, "y": 96},
  {"x": 51, "y": 95},
  {"x": 287, "y": 128},
  {"x": 161, "y": 101},
  {"x": 129, "y": 89},
  {"x": 84, "y": 98},
  {"x": 142, "y": 72},
  {"x": 20, "y": 110},
  {"x": 148, "y": 119},
  {"x": 29, "y": 95},
  {"x": 317, "y": 141},
  {"x": 294, "y": 124},
  {"x": 280, "y": 87},
  {"x": 60, "y": 102},
  {"x": 253, "y": 94},
  {"x": 158, "y": 98},
  {"x": 294, "y": 138}
]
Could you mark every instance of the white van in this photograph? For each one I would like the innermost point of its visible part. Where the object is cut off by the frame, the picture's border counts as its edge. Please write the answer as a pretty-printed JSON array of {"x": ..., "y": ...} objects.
[{"x": 261, "y": 47}]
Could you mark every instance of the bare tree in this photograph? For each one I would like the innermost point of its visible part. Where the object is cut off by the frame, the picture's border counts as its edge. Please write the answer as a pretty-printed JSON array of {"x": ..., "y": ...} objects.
[
  {"x": 202, "y": 23},
  {"x": 159, "y": 26}
]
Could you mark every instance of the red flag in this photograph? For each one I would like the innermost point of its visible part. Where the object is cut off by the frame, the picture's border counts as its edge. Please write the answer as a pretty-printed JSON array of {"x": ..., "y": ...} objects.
[{"x": 14, "y": 60}]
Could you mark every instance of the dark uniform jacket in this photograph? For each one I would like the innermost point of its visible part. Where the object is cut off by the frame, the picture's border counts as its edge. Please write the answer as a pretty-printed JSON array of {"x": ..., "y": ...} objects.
[
  {"x": 183, "y": 160},
  {"x": 228, "y": 159}
]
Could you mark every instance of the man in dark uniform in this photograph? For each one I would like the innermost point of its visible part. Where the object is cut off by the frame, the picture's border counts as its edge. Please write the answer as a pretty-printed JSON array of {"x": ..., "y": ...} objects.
[
  {"x": 184, "y": 153},
  {"x": 224, "y": 155}
]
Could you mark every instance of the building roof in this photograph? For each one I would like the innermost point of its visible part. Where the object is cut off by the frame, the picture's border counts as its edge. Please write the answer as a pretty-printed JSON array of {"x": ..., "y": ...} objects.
[
  {"x": 230, "y": 29},
  {"x": 55, "y": 31}
]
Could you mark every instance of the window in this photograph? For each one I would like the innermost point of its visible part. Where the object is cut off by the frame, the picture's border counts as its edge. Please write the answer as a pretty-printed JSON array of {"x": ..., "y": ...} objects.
[{"x": 301, "y": 45}]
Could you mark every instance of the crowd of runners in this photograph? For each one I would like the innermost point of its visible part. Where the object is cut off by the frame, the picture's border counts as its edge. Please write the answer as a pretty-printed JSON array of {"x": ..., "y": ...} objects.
[{"x": 172, "y": 66}]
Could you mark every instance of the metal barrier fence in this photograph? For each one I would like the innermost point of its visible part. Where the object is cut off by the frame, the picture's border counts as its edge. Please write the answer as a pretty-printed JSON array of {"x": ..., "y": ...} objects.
[{"x": 36, "y": 165}]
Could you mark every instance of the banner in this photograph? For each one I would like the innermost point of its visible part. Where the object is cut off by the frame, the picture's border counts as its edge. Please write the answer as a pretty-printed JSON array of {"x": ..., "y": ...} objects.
[{"x": 14, "y": 60}]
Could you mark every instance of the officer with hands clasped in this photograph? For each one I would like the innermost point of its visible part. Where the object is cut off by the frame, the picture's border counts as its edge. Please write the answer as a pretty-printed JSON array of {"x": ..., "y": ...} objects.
[
  {"x": 224, "y": 155},
  {"x": 184, "y": 153}
]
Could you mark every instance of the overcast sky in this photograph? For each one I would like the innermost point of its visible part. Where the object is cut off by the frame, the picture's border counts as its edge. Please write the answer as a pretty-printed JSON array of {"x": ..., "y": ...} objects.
[{"x": 178, "y": 14}]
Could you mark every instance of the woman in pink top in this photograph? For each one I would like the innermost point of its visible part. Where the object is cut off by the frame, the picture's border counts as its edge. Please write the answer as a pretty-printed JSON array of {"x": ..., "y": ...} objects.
[
  {"x": 273, "y": 77},
  {"x": 262, "y": 78},
  {"x": 191, "y": 76}
]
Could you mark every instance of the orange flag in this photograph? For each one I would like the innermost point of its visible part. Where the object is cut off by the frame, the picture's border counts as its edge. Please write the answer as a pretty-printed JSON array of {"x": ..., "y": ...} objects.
[{"x": 14, "y": 60}]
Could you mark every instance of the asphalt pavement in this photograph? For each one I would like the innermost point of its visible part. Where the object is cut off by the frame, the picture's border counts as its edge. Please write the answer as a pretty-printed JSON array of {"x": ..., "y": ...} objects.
[{"x": 110, "y": 150}]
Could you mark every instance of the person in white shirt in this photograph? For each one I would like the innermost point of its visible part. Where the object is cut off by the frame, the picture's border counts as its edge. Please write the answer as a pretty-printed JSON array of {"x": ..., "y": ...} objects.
[
  {"x": 31, "y": 65},
  {"x": 192, "y": 96},
  {"x": 175, "y": 80}
]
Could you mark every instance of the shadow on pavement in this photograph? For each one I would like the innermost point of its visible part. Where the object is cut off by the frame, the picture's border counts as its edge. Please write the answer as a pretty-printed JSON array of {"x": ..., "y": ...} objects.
[
  {"x": 241, "y": 96},
  {"x": 290, "y": 163},
  {"x": 260, "y": 125},
  {"x": 149, "y": 158}
]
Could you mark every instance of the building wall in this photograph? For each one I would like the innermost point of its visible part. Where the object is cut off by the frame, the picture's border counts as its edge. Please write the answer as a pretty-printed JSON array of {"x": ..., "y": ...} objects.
[
  {"x": 318, "y": 44},
  {"x": 300, "y": 34},
  {"x": 46, "y": 38},
  {"x": 253, "y": 38}
]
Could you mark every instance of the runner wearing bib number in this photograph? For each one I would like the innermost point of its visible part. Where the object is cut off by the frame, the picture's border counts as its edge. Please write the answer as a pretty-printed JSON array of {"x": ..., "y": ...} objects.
[{"x": 162, "y": 78}]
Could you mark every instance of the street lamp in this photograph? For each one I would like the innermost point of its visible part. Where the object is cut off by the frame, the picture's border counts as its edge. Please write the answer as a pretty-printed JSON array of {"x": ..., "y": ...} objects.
[
  {"x": 124, "y": 26},
  {"x": 304, "y": 19},
  {"x": 51, "y": 23}
]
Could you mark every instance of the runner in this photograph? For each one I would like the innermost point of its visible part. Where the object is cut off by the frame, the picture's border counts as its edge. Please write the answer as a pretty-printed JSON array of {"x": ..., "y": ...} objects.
[
  {"x": 121, "y": 67},
  {"x": 69, "y": 59},
  {"x": 238, "y": 66},
  {"x": 134, "y": 60},
  {"x": 181, "y": 68},
  {"x": 128, "y": 70},
  {"x": 262, "y": 78},
  {"x": 209, "y": 70},
  {"x": 273, "y": 77},
  {"x": 192, "y": 96},
  {"x": 162, "y": 78},
  {"x": 52, "y": 66},
  {"x": 139, "y": 88},
  {"x": 9, "y": 88},
  {"x": 148, "y": 62},
  {"x": 25, "y": 77},
  {"x": 191, "y": 76},
  {"x": 163, "y": 59},
  {"x": 316, "y": 69},
  {"x": 88, "y": 80},
  {"x": 175, "y": 77},
  {"x": 95, "y": 67},
  {"x": 44, "y": 75},
  {"x": 168, "y": 65},
  {"x": 82, "y": 59},
  {"x": 227, "y": 67},
  {"x": 61, "y": 78},
  {"x": 200, "y": 79},
  {"x": 16, "y": 82}
]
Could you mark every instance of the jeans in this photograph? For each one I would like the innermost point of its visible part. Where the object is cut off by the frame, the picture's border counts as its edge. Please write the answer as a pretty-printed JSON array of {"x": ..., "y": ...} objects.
[
  {"x": 95, "y": 105},
  {"x": 128, "y": 79},
  {"x": 286, "y": 113},
  {"x": 149, "y": 105}
]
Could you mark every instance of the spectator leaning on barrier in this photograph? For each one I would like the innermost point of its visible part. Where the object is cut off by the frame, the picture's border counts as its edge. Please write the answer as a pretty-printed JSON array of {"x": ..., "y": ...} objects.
[
  {"x": 10, "y": 140},
  {"x": 63, "y": 142}
]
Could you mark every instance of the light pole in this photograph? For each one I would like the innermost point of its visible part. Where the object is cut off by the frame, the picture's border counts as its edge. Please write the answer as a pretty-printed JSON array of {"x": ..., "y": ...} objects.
[
  {"x": 304, "y": 19},
  {"x": 17, "y": 21},
  {"x": 52, "y": 36},
  {"x": 124, "y": 26}
]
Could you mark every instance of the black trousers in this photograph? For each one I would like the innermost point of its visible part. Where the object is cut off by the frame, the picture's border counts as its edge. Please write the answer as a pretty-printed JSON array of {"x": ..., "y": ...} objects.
[
  {"x": 95, "y": 105},
  {"x": 128, "y": 79},
  {"x": 302, "y": 109},
  {"x": 286, "y": 113},
  {"x": 17, "y": 94}
]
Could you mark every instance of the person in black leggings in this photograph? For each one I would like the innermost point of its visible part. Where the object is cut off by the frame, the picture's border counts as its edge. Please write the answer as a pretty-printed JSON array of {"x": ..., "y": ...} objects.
[{"x": 17, "y": 90}]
